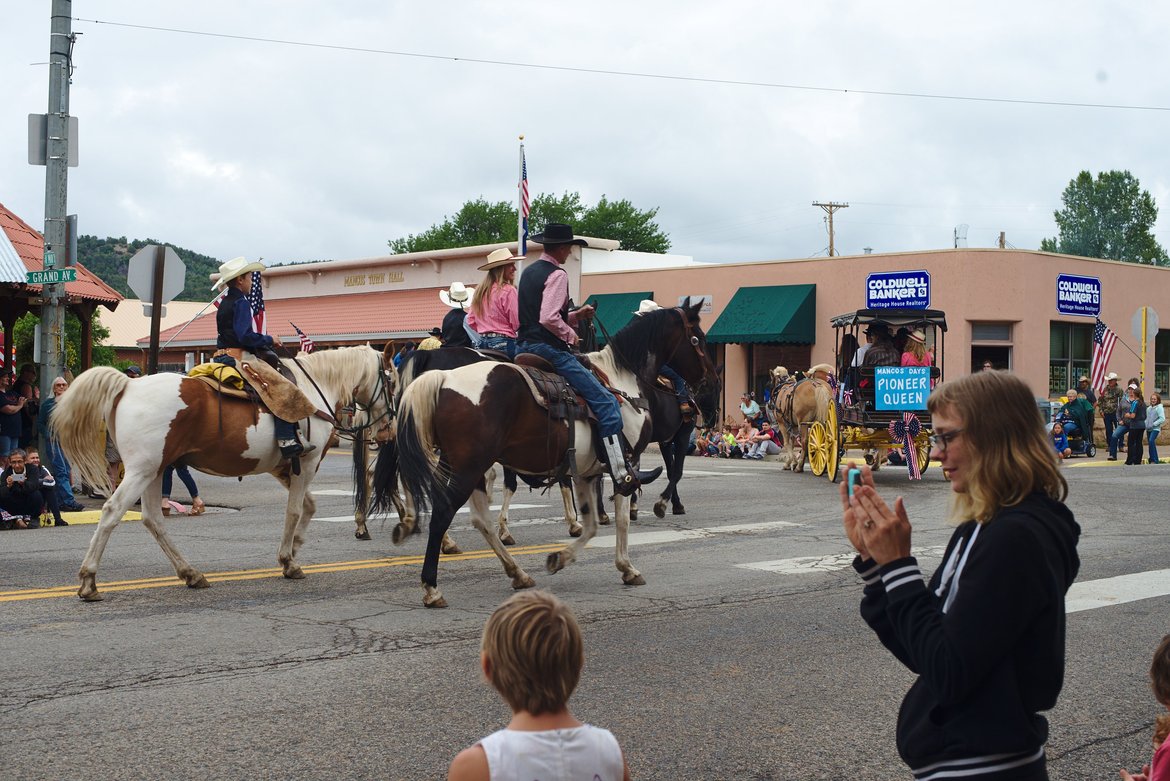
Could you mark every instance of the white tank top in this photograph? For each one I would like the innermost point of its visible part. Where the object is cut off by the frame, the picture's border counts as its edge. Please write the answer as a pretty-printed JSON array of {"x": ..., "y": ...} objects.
[{"x": 584, "y": 753}]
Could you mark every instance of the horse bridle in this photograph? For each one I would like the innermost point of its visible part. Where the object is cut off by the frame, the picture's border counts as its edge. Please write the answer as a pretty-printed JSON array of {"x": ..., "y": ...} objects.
[{"x": 382, "y": 389}]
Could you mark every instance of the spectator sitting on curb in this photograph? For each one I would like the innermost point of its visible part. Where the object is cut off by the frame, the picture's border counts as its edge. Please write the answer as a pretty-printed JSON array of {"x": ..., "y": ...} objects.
[
  {"x": 1060, "y": 440},
  {"x": 48, "y": 488},
  {"x": 764, "y": 443}
]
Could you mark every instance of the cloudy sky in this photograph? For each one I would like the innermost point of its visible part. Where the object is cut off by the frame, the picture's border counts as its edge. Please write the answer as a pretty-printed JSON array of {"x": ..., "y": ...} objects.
[{"x": 299, "y": 130}]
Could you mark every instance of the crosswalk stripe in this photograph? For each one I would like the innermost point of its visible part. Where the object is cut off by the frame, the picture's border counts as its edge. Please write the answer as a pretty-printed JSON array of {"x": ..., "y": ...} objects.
[{"x": 676, "y": 535}]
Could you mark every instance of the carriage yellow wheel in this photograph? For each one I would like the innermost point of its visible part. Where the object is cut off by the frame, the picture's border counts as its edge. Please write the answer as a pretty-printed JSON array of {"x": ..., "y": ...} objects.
[
  {"x": 823, "y": 443},
  {"x": 922, "y": 448}
]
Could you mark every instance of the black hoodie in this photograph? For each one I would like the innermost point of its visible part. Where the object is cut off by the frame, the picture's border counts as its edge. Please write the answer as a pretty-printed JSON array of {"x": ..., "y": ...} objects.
[{"x": 991, "y": 657}]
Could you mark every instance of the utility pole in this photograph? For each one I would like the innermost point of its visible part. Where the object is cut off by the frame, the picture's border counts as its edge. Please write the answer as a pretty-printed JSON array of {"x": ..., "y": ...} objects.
[
  {"x": 829, "y": 209},
  {"x": 52, "y": 357}
]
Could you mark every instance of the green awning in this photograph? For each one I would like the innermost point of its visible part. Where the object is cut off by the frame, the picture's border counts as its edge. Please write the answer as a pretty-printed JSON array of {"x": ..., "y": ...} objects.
[
  {"x": 782, "y": 314},
  {"x": 615, "y": 310}
]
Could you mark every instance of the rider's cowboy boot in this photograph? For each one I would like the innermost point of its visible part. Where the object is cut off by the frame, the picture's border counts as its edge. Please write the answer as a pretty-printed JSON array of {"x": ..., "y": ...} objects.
[
  {"x": 292, "y": 448},
  {"x": 625, "y": 480}
]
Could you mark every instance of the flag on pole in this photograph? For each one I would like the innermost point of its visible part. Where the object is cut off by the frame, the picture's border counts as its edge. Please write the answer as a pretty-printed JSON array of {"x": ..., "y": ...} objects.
[
  {"x": 1103, "y": 342},
  {"x": 256, "y": 301},
  {"x": 524, "y": 203},
  {"x": 306, "y": 343}
]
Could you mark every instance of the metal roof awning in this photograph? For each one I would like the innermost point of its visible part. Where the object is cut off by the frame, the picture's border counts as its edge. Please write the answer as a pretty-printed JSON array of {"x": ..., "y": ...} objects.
[
  {"x": 776, "y": 314},
  {"x": 615, "y": 310}
]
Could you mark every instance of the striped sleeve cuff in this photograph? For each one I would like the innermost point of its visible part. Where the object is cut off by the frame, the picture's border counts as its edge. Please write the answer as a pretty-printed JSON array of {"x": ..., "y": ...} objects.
[
  {"x": 867, "y": 569},
  {"x": 902, "y": 577}
]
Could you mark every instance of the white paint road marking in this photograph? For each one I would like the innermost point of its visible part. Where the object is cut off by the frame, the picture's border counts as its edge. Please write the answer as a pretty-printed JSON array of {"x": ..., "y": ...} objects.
[
  {"x": 655, "y": 538},
  {"x": 803, "y": 565}
]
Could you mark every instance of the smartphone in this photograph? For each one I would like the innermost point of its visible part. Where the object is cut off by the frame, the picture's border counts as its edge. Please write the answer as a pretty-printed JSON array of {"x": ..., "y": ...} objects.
[
  {"x": 854, "y": 480},
  {"x": 17, "y": 477}
]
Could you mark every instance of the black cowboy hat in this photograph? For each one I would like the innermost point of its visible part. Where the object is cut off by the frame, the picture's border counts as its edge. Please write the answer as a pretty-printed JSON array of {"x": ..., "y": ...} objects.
[
  {"x": 436, "y": 331},
  {"x": 877, "y": 328},
  {"x": 558, "y": 233}
]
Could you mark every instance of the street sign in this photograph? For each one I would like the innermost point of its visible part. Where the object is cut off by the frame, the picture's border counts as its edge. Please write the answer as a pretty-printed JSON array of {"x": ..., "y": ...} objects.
[
  {"x": 38, "y": 140},
  {"x": 52, "y": 276},
  {"x": 140, "y": 274},
  {"x": 1151, "y": 326},
  {"x": 50, "y": 259}
]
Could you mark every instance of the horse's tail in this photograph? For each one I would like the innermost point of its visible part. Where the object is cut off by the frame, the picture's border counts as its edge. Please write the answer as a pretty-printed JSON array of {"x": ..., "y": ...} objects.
[
  {"x": 361, "y": 493},
  {"x": 423, "y": 475},
  {"x": 78, "y": 418},
  {"x": 385, "y": 477},
  {"x": 824, "y": 397}
]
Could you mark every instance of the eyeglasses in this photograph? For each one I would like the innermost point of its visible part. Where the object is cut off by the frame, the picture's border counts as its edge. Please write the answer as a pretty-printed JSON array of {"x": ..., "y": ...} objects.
[{"x": 941, "y": 441}]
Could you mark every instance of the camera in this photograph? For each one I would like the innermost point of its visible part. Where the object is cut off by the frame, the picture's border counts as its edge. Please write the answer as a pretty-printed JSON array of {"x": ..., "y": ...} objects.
[{"x": 18, "y": 477}]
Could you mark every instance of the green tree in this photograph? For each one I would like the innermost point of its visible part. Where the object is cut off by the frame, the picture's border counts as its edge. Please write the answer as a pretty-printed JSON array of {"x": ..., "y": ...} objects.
[
  {"x": 482, "y": 222},
  {"x": 1107, "y": 217},
  {"x": 24, "y": 338}
]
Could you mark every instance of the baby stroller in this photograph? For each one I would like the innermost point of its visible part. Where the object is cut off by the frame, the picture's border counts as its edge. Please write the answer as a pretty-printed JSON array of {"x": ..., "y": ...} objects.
[{"x": 1078, "y": 443}]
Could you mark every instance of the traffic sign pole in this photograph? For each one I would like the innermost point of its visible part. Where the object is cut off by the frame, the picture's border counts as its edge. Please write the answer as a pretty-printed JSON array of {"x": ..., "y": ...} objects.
[{"x": 156, "y": 308}]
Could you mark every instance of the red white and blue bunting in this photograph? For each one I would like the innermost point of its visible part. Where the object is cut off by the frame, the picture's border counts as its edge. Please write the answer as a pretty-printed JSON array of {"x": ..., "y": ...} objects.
[{"x": 903, "y": 432}]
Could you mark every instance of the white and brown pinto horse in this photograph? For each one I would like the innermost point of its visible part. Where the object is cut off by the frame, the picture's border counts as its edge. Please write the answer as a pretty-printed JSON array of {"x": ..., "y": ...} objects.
[
  {"x": 797, "y": 403},
  {"x": 453, "y": 425},
  {"x": 167, "y": 419}
]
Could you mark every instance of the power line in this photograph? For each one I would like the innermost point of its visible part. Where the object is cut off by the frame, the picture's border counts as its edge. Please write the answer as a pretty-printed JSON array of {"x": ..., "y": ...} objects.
[{"x": 630, "y": 74}]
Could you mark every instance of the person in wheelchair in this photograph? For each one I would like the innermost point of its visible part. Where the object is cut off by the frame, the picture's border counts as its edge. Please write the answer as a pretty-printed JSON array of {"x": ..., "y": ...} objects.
[{"x": 1077, "y": 416}]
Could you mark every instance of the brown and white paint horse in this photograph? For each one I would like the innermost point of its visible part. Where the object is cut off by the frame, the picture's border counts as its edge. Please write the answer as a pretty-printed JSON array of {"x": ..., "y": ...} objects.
[
  {"x": 167, "y": 418},
  {"x": 796, "y": 403},
  {"x": 452, "y": 425}
]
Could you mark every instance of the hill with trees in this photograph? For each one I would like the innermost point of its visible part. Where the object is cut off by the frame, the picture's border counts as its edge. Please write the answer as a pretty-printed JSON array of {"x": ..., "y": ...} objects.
[{"x": 110, "y": 257}]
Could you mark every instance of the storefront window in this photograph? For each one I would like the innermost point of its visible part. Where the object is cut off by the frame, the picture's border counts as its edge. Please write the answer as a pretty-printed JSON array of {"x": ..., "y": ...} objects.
[
  {"x": 1070, "y": 353},
  {"x": 1162, "y": 361}
]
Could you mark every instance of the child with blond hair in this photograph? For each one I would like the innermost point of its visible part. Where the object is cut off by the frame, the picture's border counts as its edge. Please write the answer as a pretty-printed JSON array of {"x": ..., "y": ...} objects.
[
  {"x": 532, "y": 654},
  {"x": 1159, "y": 768}
]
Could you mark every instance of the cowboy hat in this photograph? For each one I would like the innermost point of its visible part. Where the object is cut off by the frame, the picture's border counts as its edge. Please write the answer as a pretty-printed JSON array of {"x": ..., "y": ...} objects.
[
  {"x": 1083, "y": 379},
  {"x": 236, "y": 267},
  {"x": 456, "y": 296},
  {"x": 499, "y": 257},
  {"x": 558, "y": 233},
  {"x": 877, "y": 328},
  {"x": 645, "y": 306},
  {"x": 917, "y": 335},
  {"x": 1111, "y": 376},
  {"x": 436, "y": 332}
]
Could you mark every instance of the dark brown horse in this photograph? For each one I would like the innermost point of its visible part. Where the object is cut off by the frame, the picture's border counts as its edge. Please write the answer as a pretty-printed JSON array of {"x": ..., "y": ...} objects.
[{"x": 452, "y": 426}]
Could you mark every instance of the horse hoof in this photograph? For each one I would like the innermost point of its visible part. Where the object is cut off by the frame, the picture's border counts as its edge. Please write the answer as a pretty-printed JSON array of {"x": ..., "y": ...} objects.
[
  {"x": 399, "y": 534},
  {"x": 294, "y": 573},
  {"x": 437, "y": 602},
  {"x": 659, "y": 510},
  {"x": 635, "y": 579},
  {"x": 522, "y": 580},
  {"x": 363, "y": 535},
  {"x": 89, "y": 596},
  {"x": 575, "y": 530},
  {"x": 200, "y": 582},
  {"x": 603, "y": 520},
  {"x": 555, "y": 562},
  {"x": 508, "y": 540},
  {"x": 452, "y": 550}
]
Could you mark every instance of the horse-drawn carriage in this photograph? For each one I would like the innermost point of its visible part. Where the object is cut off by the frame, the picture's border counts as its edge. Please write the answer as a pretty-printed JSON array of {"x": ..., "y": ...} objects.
[{"x": 878, "y": 410}]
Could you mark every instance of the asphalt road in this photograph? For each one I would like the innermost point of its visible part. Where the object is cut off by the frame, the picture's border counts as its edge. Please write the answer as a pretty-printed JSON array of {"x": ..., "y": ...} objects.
[{"x": 734, "y": 661}]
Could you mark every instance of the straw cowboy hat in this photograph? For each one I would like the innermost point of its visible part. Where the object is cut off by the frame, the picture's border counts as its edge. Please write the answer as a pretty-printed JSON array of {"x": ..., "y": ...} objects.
[
  {"x": 236, "y": 267},
  {"x": 917, "y": 335},
  {"x": 1111, "y": 376},
  {"x": 456, "y": 297},
  {"x": 558, "y": 233},
  {"x": 499, "y": 257},
  {"x": 645, "y": 306}
]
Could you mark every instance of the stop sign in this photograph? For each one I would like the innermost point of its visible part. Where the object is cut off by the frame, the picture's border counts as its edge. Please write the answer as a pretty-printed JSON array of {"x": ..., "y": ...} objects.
[{"x": 140, "y": 274}]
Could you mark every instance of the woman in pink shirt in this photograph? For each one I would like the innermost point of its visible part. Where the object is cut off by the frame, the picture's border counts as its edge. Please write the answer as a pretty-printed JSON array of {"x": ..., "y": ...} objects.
[
  {"x": 916, "y": 353},
  {"x": 494, "y": 311}
]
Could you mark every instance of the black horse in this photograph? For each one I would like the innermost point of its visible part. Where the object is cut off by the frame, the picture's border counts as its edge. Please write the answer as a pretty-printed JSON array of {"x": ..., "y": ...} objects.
[{"x": 672, "y": 431}]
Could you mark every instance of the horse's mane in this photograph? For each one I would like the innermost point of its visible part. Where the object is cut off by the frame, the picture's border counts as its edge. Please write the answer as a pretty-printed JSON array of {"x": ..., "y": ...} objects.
[
  {"x": 336, "y": 367},
  {"x": 644, "y": 334}
]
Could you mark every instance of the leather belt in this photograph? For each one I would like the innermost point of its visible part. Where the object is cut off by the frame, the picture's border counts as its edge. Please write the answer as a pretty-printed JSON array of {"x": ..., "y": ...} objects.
[
  {"x": 497, "y": 335},
  {"x": 235, "y": 352}
]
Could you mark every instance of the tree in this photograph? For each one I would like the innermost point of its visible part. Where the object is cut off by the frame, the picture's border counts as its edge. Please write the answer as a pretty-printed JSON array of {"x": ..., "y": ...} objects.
[
  {"x": 1107, "y": 217},
  {"x": 481, "y": 222},
  {"x": 23, "y": 340}
]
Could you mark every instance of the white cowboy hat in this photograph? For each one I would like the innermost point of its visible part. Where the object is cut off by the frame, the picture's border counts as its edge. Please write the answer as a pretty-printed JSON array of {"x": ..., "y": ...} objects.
[
  {"x": 1110, "y": 376},
  {"x": 646, "y": 305},
  {"x": 917, "y": 335},
  {"x": 456, "y": 296},
  {"x": 236, "y": 267},
  {"x": 499, "y": 257}
]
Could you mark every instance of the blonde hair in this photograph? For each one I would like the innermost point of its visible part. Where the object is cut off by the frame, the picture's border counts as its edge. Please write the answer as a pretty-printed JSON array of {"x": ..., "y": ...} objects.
[
  {"x": 479, "y": 299},
  {"x": 1011, "y": 454},
  {"x": 917, "y": 349},
  {"x": 535, "y": 653}
]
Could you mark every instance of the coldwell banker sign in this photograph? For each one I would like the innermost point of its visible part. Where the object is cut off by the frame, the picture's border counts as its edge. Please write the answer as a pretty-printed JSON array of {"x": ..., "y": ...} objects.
[
  {"x": 1078, "y": 295},
  {"x": 897, "y": 290}
]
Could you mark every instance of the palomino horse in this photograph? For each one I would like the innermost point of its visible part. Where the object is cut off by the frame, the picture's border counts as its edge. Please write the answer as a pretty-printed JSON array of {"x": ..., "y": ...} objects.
[
  {"x": 167, "y": 419},
  {"x": 416, "y": 364},
  {"x": 453, "y": 425},
  {"x": 796, "y": 402}
]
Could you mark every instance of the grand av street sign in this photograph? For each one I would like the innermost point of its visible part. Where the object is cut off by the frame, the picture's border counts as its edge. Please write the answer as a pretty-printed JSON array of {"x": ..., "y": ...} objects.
[{"x": 52, "y": 276}]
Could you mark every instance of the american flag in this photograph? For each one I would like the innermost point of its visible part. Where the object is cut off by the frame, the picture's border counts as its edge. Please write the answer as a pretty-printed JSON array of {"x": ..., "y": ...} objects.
[
  {"x": 1103, "y": 343},
  {"x": 306, "y": 343},
  {"x": 524, "y": 203},
  {"x": 256, "y": 301}
]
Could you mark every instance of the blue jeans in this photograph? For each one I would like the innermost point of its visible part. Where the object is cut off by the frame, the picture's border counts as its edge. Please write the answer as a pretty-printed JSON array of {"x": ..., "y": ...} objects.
[
  {"x": 680, "y": 385},
  {"x": 1152, "y": 439},
  {"x": 601, "y": 401},
  {"x": 8, "y": 444},
  {"x": 184, "y": 475},
  {"x": 501, "y": 343},
  {"x": 1118, "y": 433},
  {"x": 59, "y": 467}
]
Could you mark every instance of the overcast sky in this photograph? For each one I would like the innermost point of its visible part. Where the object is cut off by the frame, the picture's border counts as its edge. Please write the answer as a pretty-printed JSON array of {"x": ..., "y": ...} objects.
[{"x": 306, "y": 151}]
